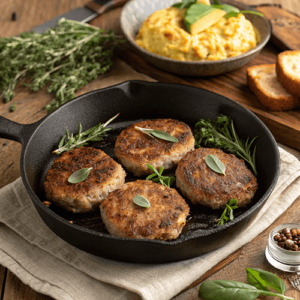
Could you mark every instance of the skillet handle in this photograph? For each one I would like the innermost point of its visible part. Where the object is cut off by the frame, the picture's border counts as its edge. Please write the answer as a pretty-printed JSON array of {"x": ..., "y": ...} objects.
[{"x": 15, "y": 131}]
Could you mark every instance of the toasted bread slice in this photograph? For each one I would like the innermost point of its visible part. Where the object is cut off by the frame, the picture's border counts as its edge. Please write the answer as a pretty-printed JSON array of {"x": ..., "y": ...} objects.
[
  {"x": 263, "y": 82},
  {"x": 288, "y": 71}
]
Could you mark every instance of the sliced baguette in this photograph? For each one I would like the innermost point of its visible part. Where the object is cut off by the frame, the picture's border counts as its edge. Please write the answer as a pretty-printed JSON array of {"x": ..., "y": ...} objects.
[
  {"x": 288, "y": 71},
  {"x": 263, "y": 82}
]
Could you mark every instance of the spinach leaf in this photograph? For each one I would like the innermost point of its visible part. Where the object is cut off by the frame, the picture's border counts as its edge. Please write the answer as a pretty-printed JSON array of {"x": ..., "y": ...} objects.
[{"x": 263, "y": 280}]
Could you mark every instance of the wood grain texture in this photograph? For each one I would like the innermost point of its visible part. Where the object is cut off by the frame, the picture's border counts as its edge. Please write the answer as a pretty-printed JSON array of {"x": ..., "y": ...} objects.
[{"x": 30, "y": 106}]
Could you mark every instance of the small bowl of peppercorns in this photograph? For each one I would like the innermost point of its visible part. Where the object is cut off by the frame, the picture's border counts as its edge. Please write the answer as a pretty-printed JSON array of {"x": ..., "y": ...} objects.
[{"x": 283, "y": 250}]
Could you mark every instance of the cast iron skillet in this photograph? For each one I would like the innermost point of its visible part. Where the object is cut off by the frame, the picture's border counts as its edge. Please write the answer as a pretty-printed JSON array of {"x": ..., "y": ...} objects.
[{"x": 137, "y": 100}]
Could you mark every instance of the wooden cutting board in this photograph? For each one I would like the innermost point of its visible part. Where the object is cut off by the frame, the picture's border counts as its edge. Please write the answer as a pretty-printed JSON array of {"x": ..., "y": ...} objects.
[{"x": 285, "y": 126}]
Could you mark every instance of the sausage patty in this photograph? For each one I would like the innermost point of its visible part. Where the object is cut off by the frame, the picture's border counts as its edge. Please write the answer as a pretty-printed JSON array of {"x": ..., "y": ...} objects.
[
  {"x": 106, "y": 176},
  {"x": 203, "y": 186},
  {"x": 164, "y": 219},
  {"x": 135, "y": 149}
]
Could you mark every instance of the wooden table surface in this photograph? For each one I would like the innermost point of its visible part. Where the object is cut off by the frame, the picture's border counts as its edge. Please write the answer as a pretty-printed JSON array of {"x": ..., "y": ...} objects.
[{"x": 32, "y": 13}]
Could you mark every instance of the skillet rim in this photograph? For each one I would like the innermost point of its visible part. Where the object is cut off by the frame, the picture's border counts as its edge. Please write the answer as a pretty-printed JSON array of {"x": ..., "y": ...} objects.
[{"x": 196, "y": 234}]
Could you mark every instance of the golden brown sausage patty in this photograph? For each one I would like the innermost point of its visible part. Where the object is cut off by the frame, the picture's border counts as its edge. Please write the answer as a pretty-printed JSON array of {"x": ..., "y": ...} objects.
[
  {"x": 203, "y": 186},
  {"x": 164, "y": 219},
  {"x": 135, "y": 149},
  {"x": 106, "y": 176}
]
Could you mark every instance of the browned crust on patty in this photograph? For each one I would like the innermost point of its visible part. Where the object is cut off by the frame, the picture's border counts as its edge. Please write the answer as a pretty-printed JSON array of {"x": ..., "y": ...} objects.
[
  {"x": 134, "y": 149},
  {"x": 203, "y": 186},
  {"x": 164, "y": 219},
  {"x": 84, "y": 196},
  {"x": 288, "y": 71}
]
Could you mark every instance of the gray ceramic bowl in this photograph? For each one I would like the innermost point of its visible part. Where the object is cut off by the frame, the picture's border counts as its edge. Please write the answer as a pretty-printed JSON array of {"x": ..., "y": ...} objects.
[{"x": 136, "y": 11}]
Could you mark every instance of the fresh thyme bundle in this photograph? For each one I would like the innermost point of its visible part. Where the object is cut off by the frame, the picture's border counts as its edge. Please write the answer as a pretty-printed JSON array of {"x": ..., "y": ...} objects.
[{"x": 67, "y": 57}]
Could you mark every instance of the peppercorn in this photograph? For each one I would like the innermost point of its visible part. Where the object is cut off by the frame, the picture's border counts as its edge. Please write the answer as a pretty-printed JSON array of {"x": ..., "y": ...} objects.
[{"x": 285, "y": 231}]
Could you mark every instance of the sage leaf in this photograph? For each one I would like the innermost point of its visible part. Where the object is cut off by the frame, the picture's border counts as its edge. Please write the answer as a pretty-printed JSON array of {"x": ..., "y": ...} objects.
[
  {"x": 215, "y": 164},
  {"x": 263, "y": 280},
  {"x": 141, "y": 201},
  {"x": 164, "y": 136},
  {"x": 228, "y": 290},
  {"x": 80, "y": 175}
]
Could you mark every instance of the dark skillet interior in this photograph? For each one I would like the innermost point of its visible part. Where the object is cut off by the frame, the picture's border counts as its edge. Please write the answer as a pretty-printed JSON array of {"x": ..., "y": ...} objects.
[{"x": 136, "y": 101}]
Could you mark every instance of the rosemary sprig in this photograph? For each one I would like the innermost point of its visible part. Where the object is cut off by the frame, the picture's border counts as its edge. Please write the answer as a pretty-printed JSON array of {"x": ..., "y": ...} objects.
[
  {"x": 227, "y": 214},
  {"x": 157, "y": 134},
  {"x": 163, "y": 180},
  {"x": 221, "y": 134},
  {"x": 66, "y": 57},
  {"x": 94, "y": 134}
]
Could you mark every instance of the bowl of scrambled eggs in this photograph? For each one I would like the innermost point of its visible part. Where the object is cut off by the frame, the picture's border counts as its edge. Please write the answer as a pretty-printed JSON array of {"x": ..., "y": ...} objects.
[{"x": 157, "y": 31}]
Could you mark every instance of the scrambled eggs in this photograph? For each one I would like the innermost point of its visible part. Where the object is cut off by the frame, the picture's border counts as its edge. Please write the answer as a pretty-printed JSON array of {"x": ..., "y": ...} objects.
[{"x": 163, "y": 33}]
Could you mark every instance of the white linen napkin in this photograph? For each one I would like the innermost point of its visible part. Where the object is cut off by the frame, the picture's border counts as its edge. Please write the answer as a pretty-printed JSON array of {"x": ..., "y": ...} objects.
[{"x": 52, "y": 267}]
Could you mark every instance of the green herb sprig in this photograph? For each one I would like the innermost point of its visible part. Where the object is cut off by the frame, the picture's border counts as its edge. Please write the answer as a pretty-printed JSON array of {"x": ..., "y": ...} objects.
[
  {"x": 259, "y": 283},
  {"x": 221, "y": 134},
  {"x": 157, "y": 134},
  {"x": 163, "y": 180},
  {"x": 141, "y": 201},
  {"x": 66, "y": 57},
  {"x": 80, "y": 175},
  {"x": 227, "y": 214},
  {"x": 94, "y": 134}
]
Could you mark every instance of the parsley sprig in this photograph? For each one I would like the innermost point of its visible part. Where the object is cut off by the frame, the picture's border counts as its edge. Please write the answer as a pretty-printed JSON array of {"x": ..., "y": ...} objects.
[
  {"x": 163, "y": 180},
  {"x": 94, "y": 134},
  {"x": 66, "y": 57},
  {"x": 221, "y": 134}
]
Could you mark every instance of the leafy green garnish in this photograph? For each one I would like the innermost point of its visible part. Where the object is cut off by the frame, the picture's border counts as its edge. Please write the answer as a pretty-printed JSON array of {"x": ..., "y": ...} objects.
[
  {"x": 221, "y": 134},
  {"x": 259, "y": 281},
  {"x": 13, "y": 107},
  {"x": 68, "y": 57},
  {"x": 227, "y": 214},
  {"x": 80, "y": 175},
  {"x": 184, "y": 4},
  {"x": 158, "y": 133},
  {"x": 94, "y": 134},
  {"x": 163, "y": 180},
  {"x": 228, "y": 290},
  {"x": 263, "y": 280},
  {"x": 215, "y": 164},
  {"x": 141, "y": 201},
  {"x": 196, "y": 11}
]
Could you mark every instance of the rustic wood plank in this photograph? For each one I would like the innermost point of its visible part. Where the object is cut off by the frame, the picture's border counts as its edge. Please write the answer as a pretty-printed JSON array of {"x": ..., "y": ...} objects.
[
  {"x": 286, "y": 27},
  {"x": 16, "y": 289},
  {"x": 2, "y": 280}
]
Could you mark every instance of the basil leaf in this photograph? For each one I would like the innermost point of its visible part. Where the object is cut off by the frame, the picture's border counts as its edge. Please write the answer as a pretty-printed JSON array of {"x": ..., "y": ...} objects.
[
  {"x": 80, "y": 175},
  {"x": 227, "y": 290},
  {"x": 196, "y": 12},
  {"x": 263, "y": 280},
  {"x": 215, "y": 164},
  {"x": 164, "y": 136},
  {"x": 235, "y": 14},
  {"x": 216, "y": 2},
  {"x": 184, "y": 4},
  {"x": 141, "y": 201}
]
